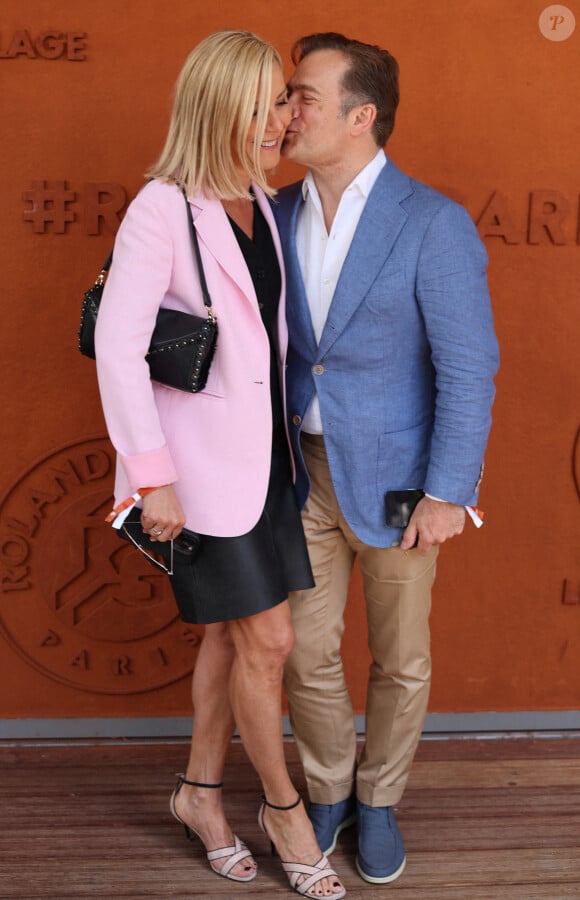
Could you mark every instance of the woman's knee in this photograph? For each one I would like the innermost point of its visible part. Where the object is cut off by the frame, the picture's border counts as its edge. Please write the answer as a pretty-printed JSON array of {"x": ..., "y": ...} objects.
[
  {"x": 268, "y": 636},
  {"x": 283, "y": 643}
]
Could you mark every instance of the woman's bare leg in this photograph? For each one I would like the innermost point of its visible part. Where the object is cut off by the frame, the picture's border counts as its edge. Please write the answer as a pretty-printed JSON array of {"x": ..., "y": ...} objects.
[
  {"x": 262, "y": 644},
  {"x": 202, "y": 808}
]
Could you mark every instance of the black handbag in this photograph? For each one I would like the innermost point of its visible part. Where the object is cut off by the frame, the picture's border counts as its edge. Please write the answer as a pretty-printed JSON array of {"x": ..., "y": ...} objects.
[{"x": 182, "y": 344}]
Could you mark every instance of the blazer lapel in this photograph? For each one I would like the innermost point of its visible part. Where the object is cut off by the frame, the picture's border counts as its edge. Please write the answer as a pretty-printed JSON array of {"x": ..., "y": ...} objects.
[
  {"x": 216, "y": 233},
  {"x": 382, "y": 219},
  {"x": 297, "y": 309}
]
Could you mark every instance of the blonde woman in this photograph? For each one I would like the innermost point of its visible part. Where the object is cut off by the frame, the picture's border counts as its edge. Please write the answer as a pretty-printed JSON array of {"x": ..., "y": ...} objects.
[{"x": 218, "y": 460}]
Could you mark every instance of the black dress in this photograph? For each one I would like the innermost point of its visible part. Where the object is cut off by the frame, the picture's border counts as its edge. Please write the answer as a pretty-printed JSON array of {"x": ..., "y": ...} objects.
[{"x": 234, "y": 577}]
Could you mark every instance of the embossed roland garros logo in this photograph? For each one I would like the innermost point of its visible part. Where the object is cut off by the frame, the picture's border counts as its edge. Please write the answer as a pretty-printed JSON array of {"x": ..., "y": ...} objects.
[{"x": 78, "y": 603}]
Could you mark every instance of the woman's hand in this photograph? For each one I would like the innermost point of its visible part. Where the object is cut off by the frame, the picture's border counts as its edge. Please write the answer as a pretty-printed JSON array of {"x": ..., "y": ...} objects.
[{"x": 162, "y": 515}]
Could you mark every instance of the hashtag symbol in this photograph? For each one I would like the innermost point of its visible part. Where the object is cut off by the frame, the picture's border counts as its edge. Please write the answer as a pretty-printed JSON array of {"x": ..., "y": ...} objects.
[{"x": 49, "y": 206}]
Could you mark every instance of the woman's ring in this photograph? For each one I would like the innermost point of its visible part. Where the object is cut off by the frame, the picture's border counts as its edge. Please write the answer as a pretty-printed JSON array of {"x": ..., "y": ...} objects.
[{"x": 154, "y": 531}]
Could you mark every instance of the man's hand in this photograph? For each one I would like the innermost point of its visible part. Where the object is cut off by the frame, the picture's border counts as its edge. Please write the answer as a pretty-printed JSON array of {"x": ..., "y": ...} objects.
[
  {"x": 162, "y": 515},
  {"x": 434, "y": 522}
]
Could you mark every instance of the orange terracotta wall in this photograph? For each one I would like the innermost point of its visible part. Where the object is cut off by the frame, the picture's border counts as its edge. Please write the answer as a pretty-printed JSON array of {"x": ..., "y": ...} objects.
[{"x": 489, "y": 115}]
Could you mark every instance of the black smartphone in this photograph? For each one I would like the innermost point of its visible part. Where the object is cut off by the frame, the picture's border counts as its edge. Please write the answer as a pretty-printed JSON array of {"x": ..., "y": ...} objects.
[
  {"x": 399, "y": 506},
  {"x": 188, "y": 543}
]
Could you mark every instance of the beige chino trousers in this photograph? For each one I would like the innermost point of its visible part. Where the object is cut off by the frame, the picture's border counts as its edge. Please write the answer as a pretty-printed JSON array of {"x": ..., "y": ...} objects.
[{"x": 397, "y": 591}]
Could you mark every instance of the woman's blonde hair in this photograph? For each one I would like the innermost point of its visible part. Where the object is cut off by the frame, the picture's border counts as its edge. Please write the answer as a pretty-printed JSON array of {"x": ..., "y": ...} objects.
[{"x": 225, "y": 81}]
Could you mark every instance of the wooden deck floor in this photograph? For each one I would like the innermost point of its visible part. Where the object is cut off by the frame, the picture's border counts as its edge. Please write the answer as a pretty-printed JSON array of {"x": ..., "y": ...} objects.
[{"x": 482, "y": 820}]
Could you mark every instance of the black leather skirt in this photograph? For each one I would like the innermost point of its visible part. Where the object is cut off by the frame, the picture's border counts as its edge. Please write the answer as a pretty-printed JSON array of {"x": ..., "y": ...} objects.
[{"x": 234, "y": 577}]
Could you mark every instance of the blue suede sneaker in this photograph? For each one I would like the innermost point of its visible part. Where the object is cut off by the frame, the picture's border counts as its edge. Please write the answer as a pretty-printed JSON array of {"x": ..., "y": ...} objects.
[
  {"x": 328, "y": 820},
  {"x": 381, "y": 853}
]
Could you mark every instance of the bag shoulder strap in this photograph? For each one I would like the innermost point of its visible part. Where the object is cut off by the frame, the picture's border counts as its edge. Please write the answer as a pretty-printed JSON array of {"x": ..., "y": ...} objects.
[
  {"x": 106, "y": 265},
  {"x": 193, "y": 233},
  {"x": 100, "y": 279}
]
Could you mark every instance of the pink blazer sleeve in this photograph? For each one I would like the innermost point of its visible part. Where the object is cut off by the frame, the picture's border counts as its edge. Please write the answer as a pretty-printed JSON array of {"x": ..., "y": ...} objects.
[{"x": 137, "y": 283}]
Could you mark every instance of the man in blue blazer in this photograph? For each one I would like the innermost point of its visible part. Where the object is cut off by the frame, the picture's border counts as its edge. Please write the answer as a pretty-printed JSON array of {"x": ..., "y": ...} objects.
[{"x": 390, "y": 386}]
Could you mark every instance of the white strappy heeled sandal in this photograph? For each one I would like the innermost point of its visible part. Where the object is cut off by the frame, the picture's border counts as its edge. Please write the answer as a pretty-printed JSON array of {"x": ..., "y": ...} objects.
[
  {"x": 295, "y": 871},
  {"x": 233, "y": 855}
]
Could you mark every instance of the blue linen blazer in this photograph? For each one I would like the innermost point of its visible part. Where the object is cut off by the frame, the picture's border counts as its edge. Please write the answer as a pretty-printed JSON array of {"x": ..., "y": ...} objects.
[{"x": 405, "y": 365}]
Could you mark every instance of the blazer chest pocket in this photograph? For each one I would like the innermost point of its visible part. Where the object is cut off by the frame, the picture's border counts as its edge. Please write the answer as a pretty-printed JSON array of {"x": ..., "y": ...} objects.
[{"x": 387, "y": 290}]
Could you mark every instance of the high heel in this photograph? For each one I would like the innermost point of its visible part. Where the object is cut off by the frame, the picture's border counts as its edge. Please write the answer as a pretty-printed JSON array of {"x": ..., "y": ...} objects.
[
  {"x": 296, "y": 870},
  {"x": 232, "y": 855}
]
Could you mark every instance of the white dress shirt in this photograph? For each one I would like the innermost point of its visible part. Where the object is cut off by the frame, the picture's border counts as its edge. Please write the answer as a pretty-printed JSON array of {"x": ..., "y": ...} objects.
[{"x": 322, "y": 255}]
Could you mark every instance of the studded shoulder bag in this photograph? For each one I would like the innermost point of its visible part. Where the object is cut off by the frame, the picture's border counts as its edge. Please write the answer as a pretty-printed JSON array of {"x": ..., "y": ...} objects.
[{"x": 182, "y": 344}]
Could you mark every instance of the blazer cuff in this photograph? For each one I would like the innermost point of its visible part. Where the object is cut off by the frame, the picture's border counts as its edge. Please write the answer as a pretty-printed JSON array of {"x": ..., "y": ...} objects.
[{"x": 152, "y": 469}]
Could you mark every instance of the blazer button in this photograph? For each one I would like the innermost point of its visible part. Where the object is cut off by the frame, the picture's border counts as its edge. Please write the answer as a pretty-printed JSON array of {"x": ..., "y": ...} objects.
[
  {"x": 318, "y": 370},
  {"x": 296, "y": 420}
]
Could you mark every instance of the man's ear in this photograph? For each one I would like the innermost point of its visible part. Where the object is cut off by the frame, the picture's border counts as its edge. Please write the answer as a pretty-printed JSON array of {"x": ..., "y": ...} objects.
[{"x": 363, "y": 118}]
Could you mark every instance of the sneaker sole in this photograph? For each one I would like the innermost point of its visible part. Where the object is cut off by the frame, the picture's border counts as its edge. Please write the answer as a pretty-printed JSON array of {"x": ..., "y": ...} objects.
[
  {"x": 346, "y": 823},
  {"x": 384, "y": 880}
]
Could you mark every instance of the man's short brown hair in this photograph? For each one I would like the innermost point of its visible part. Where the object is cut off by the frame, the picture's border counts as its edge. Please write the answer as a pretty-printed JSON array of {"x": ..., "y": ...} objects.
[{"x": 372, "y": 77}]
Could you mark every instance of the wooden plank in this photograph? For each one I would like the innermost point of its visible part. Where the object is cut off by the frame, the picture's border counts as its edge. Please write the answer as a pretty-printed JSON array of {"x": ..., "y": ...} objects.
[
  {"x": 563, "y": 747},
  {"x": 479, "y": 824},
  {"x": 505, "y": 773}
]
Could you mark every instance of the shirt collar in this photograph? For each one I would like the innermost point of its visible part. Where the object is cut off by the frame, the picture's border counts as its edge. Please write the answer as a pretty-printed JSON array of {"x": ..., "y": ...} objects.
[{"x": 363, "y": 182}]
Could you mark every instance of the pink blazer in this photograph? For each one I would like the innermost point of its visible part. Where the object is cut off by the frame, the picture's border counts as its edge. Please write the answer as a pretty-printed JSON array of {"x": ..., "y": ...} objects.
[{"x": 213, "y": 446}]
